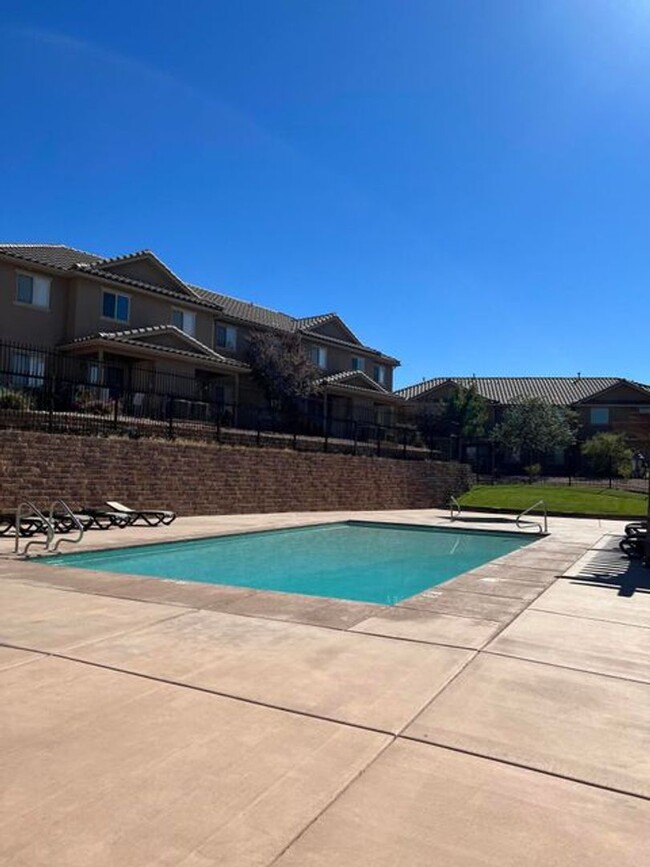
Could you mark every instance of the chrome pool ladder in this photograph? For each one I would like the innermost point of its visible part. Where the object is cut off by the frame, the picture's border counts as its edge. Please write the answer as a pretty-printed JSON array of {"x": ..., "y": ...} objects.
[
  {"x": 454, "y": 508},
  {"x": 543, "y": 529},
  {"x": 28, "y": 510}
]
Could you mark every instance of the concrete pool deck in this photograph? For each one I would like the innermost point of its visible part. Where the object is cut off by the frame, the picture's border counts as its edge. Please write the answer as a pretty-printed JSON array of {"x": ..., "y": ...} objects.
[{"x": 501, "y": 718}]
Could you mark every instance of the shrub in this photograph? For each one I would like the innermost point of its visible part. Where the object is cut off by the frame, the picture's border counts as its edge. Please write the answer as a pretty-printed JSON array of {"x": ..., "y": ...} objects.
[
  {"x": 608, "y": 454},
  {"x": 16, "y": 400},
  {"x": 533, "y": 471}
]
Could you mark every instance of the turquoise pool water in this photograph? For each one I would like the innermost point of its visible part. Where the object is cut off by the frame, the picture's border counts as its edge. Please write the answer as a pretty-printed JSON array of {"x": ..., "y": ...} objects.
[{"x": 366, "y": 562}]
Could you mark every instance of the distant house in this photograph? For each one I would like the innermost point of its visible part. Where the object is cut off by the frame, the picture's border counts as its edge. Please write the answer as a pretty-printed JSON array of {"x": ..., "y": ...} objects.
[
  {"x": 602, "y": 403},
  {"x": 130, "y": 319}
]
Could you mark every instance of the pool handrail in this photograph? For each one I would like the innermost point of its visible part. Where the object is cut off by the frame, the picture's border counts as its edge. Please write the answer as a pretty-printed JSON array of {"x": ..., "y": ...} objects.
[
  {"x": 75, "y": 520},
  {"x": 34, "y": 511},
  {"x": 542, "y": 529},
  {"x": 454, "y": 505}
]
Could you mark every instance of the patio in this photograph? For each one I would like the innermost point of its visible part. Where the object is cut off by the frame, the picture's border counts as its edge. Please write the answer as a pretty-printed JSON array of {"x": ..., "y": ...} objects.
[{"x": 500, "y": 718}]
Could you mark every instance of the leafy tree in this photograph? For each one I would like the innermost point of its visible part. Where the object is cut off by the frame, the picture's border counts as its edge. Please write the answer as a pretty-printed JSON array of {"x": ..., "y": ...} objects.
[
  {"x": 534, "y": 427},
  {"x": 282, "y": 369},
  {"x": 464, "y": 414},
  {"x": 608, "y": 454}
]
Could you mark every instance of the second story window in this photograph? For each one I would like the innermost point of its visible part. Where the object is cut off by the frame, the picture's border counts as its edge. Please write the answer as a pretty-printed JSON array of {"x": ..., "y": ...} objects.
[
  {"x": 379, "y": 374},
  {"x": 116, "y": 306},
  {"x": 318, "y": 355},
  {"x": 184, "y": 320},
  {"x": 225, "y": 336},
  {"x": 358, "y": 363},
  {"x": 34, "y": 290}
]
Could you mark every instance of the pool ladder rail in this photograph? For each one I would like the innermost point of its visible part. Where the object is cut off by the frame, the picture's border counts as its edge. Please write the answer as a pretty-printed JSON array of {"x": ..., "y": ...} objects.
[
  {"x": 455, "y": 510},
  {"x": 27, "y": 510}
]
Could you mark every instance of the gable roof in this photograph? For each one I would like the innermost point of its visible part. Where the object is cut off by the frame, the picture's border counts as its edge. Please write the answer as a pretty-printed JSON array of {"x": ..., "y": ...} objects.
[
  {"x": 558, "y": 390},
  {"x": 311, "y": 323},
  {"x": 138, "y": 337},
  {"x": 356, "y": 378},
  {"x": 147, "y": 255},
  {"x": 70, "y": 259}
]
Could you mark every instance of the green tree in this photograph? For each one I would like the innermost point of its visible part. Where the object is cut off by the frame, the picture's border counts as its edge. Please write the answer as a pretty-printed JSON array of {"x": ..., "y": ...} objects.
[
  {"x": 282, "y": 369},
  {"x": 608, "y": 454},
  {"x": 463, "y": 414},
  {"x": 534, "y": 427}
]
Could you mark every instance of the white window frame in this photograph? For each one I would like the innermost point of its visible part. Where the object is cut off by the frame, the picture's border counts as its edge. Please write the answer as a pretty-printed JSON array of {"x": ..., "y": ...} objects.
[
  {"x": 594, "y": 410},
  {"x": 318, "y": 355},
  {"x": 40, "y": 284},
  {"x": 379, "y": 373},
  {"x": 116, "y": 295},
  {"x": 230, "y": 333},
  {"x": 358, "y": 363},
  {"x": 188, "y": 320}
]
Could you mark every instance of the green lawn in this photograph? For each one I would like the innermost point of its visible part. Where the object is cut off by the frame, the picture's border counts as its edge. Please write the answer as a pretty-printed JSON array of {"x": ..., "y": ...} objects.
[{"x": 559, "y": 499}]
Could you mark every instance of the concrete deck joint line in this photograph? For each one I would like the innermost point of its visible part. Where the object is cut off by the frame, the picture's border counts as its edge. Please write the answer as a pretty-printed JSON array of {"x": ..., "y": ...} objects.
[
  {"x": 333, "y": 800},
  {"x": 208, "y": 691},
  {"x": 439, "y": 691},
  {"x": 523, "y": 766},
  {"x": 588, "y": 617},
  {"x": 563, "y": 666}
]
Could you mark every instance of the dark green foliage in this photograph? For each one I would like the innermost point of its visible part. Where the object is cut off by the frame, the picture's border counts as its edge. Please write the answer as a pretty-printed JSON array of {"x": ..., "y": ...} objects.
[
  {"x": 463, "y": 414},
  {"x": 16, "y": 400},
  {"x": 535, "y": 427},
  {"x": 608, "y": 454}
]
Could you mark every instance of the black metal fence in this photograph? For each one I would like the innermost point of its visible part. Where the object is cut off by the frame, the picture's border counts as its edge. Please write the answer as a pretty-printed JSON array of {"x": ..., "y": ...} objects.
[{"x": 43, "y": 390}]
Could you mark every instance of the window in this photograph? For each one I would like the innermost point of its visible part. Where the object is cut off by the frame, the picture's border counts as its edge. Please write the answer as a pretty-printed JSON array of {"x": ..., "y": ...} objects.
[
  {"x": 184, "y": 320},
  {"x": 379, "y": 374},
  {"x": 115, "y": 306},
  {"x": 358, "y": 363},
  {"x": 599, "y": 415},
  {"x": 27, "y": 370},
  {"x": 225, "y": 336},
  {"x": 33, "y": 290},
  {"x": 318, "y": 355},
  {"x": 94, "y": 374}
]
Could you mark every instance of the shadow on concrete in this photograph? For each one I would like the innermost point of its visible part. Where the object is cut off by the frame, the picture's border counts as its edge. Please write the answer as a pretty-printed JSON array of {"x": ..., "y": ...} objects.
[{"x": 614, "y": 570}]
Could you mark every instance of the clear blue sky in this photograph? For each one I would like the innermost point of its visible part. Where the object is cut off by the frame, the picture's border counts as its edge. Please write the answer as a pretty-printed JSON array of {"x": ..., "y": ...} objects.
[{"x": 467, "y": 183}]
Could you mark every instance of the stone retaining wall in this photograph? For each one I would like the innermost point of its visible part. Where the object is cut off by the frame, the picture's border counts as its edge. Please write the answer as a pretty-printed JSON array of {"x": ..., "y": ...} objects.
[{"x": 206, "y": 479}]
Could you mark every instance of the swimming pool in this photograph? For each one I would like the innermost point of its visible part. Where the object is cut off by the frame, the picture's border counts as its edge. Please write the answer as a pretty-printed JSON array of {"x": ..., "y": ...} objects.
[{"x": 361, "y": 561}]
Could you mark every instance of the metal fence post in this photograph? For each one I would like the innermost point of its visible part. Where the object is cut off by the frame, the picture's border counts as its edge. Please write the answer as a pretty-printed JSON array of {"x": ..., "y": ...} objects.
[{"x": 170, "y": 418}]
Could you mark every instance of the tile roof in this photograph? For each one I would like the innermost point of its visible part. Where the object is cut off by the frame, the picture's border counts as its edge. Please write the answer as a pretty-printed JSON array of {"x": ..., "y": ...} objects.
[
  {"x": 558, "y": 390},
  {"x": 57, "y": 255},
  {"x": 246, "y": 311},
  {"x": 344, "y": 376},
  {"x": 131, "y": 337},
  {"x": 254, "y": 314},
  {"x": 308, "y": 322},
  {"x": 142, "y": 254}
]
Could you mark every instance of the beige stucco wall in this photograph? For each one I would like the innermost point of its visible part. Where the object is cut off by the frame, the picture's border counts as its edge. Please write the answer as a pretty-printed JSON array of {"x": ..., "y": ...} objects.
[{"x": 26, "y": 324}]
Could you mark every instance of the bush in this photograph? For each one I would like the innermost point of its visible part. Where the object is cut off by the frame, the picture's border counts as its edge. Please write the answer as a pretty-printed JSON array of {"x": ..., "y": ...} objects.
[
  {"x": 16, "y": 400},
  {"x": 608, "y": 454},
  {"x": 533, "y": 471}
]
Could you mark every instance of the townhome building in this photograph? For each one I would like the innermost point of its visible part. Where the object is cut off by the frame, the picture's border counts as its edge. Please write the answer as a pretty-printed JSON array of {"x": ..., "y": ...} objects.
[
  {"x": 602, "y": 404},
  {"x": 129, "y": 326}
]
